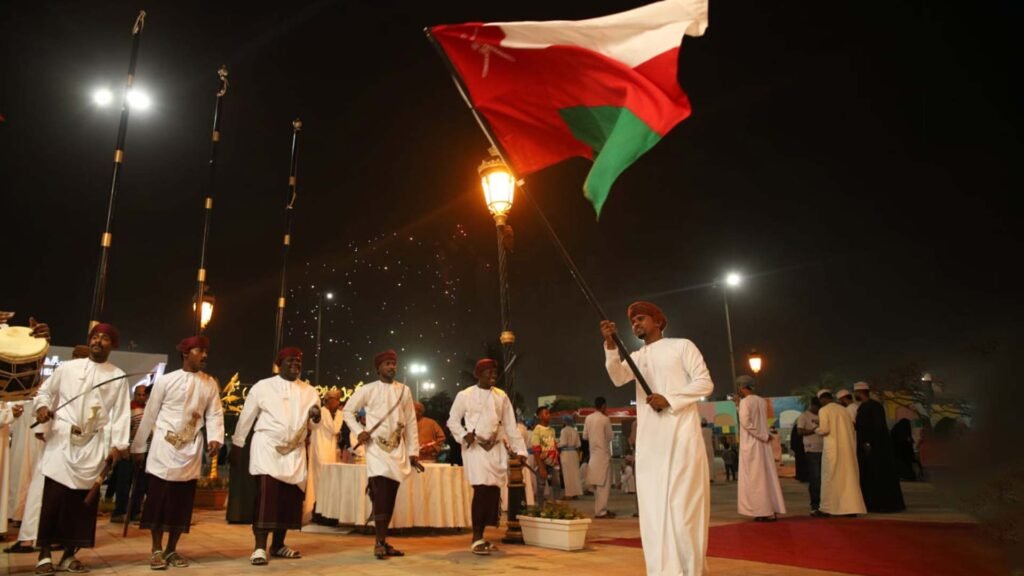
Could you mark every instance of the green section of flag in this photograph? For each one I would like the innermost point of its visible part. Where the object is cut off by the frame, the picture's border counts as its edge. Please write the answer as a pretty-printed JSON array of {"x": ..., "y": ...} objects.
[{"x": 617, "y": 137}]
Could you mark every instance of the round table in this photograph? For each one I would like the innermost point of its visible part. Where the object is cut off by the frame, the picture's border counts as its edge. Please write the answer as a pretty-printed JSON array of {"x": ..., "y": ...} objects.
[{"x": 439, "y": 497}]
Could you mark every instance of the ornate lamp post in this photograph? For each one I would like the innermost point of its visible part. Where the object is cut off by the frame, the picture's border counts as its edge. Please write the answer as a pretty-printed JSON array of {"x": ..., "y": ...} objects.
[{"x": 499, "y": 187}]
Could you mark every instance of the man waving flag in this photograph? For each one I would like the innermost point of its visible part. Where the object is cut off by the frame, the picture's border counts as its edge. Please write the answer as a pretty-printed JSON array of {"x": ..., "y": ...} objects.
[{"x": 604, "y": 88}]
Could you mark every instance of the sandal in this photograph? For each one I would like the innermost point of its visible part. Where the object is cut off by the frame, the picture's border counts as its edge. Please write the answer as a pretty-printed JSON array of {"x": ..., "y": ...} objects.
[
  {"x": 157, "y": 561},
  {"x": 384, "y": 550},
  {"x": 176, "y": 560},
  {"x": 72, "y": 565},
  {"x": 45, "y": 566},
  {"x": 19, "y": 548},
  {"x": 286, "y": 552},
  {"x": 482, "y": 548},
  {"x": 259, "y": 557}
]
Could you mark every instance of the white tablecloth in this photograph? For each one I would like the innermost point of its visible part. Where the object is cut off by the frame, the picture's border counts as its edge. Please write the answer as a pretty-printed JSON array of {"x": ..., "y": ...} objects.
[{"x": 440, "y": 497}]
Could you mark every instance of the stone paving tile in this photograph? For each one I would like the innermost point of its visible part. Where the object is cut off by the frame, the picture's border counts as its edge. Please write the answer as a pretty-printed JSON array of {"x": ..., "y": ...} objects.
[{"x": 215, "y": 547}]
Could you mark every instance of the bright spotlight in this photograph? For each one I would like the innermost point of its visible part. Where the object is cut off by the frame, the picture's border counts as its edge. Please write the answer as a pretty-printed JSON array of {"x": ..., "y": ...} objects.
[
  {"x": 102, "y": 97},
  {"x": 137, "y": 99},
  {"x": 733, "y": 279},
  {"x": 329, "y": 295}
]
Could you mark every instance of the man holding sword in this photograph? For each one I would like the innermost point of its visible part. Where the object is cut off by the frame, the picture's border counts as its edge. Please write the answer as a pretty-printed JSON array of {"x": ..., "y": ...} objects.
[
  {"x": 75, "y": 458},
  {"x": 391, "y": 441}
]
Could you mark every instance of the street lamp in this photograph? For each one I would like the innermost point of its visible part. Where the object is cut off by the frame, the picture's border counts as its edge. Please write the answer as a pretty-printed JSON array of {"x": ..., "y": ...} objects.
[
  {"x": 416, "y": 369},
  {"x": 499, "y": 187},
  {"x": 429, "y": 386},
  {"x": 732, "y": 280},
  {"x": 755, "y": 360},
  {"x": 319, "y": 326}
]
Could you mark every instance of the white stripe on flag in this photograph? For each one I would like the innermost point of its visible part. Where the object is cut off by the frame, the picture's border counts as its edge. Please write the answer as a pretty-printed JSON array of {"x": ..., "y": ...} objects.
[{"x": 632, "y": 37}]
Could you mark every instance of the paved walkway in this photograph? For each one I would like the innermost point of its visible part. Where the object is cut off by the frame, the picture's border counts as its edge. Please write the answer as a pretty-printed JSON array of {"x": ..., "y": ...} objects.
[{"x": 216, "y": 547}]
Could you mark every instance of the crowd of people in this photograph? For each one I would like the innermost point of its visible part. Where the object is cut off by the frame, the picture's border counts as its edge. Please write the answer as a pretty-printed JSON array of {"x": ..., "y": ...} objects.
[{"x": 153, "y": 440}]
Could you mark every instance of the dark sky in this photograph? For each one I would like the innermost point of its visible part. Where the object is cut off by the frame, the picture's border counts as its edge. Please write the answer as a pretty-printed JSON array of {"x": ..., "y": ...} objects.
[{"x": 854, "y": 159}]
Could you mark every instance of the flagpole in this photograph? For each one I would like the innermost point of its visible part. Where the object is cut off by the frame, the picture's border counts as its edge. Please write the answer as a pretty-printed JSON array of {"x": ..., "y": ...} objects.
[
  {"x": 107, "y": 239},
  {"x": 222, "y": 73},
  {"x": 289, "y": 212},
  {"x": 574, "y": 271}
]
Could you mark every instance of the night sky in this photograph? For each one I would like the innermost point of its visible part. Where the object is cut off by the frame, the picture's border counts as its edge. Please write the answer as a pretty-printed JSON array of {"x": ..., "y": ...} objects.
[{"x": 855, "y": 160}]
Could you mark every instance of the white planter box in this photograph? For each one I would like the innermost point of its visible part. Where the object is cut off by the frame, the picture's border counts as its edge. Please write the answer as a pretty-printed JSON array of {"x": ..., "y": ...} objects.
[{"x": 552, "y": 533}]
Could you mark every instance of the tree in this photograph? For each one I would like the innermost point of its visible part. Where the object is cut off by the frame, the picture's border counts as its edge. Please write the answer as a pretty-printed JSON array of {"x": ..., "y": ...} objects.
[
  {"x": 827, "y": 380},
  {"x": 437, "y": 406}
]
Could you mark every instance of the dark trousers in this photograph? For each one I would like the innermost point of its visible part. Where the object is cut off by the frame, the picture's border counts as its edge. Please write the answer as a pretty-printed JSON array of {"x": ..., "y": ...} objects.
[
  {"x": 124, "y": 475},
  {"x": 730, "y": 472},
  {"x": 814, "y": 477},
  {"x": 65, "y": 518},
  {"x": 486, "y": 504}
]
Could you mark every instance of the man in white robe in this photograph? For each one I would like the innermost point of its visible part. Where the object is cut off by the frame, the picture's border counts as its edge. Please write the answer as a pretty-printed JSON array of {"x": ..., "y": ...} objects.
[
  {"x": 673, "y": 488},
  {"x": 283, "y": 410},
  {"x": 569, "y": 455},
  {"x": 25, "y": 452},
  {"x": 76, "y": 456},
  {"x": 391, "y": 440},
  {"x": 840, "y": 475},
  {"x": 847, "y": 400},
  {"x": 480, "y": 417},
  {"x": 323, "y": 449},
  {"x": 708, "y": 434},
  {"x": 759, "y": 493},
  {"x": 529, "y": 482},
  {"x": 182, "y": 404},
  {"x": 597, "y": 430},
  {"x": 8, "y": 413},
  {"x": 33, "y": 498}
]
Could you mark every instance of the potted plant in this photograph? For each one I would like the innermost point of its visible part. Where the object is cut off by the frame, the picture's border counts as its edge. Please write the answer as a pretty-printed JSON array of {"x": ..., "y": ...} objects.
[
  {"x": 211, "y": 492},
  {"x": 212, "y": 489},
  {"x": 554, "y": 525}
]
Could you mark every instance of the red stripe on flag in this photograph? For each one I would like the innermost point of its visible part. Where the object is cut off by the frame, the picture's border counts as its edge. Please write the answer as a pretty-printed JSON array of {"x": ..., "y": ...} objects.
[{"x": 520, "y": 92}]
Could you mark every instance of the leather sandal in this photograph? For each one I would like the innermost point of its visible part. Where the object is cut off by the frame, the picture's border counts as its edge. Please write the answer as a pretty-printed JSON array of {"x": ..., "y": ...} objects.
[
  {"x": 385, "y": 550},
  {"x": 176, "y": 560},
  {"x": 157, "y": 561},
  {"x": 482, "y": 548},
  {"x": 286, "y": 552},
  {"x": 72, "y": 565}
]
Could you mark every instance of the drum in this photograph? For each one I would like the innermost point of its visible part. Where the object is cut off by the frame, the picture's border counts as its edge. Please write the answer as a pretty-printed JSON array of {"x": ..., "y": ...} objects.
[{"x": 21, "y": 360}]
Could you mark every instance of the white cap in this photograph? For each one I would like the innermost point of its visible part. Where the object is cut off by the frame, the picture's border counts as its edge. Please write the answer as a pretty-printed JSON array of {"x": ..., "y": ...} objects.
[
  {"x": 843, "y": 392},
  {"x": 823, "y": 391},
  {"x": 861, "y": 386}
]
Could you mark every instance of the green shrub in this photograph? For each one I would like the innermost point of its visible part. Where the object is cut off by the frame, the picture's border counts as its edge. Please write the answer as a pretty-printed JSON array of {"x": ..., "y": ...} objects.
[{"x": 554, "y": 510}]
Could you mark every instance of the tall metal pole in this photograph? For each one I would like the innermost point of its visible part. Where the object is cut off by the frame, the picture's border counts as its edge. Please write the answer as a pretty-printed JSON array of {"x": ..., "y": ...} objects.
[
  {"x": 507, "y": 337},
  {"x": 106, "y": 240},
  {"x": 319, "y": 326},
  {"x": 728, "y": 331},
  {"x": 289, "y": 211},
  {"x": 222, "y": 73},
  {"x": 516, "y": 489}
]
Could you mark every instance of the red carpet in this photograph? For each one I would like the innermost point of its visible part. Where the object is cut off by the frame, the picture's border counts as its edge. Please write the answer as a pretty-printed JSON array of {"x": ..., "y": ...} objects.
[{"x": 857, "y": 546}]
